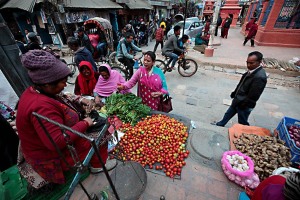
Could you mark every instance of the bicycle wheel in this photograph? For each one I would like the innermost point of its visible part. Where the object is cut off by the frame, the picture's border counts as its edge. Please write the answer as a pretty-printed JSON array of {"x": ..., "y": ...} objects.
[
  {"x": 161, "y": 64},
  {"x": 72, "y": 77},
  {"x": 112, "y": 58},
  {"x": 121, "y": 71},
  {"x": 187, "y": 67}
]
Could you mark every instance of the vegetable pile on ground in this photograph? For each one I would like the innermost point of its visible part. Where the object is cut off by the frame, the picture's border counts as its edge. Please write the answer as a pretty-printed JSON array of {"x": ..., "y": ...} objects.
[
  {"x": 294, "y": 132},
  {"x": 238, "y": 162},
  {"x": 157, "y": 141},
  {"x": 267, "y": 153},
  {"x": 128, "y": 107}
]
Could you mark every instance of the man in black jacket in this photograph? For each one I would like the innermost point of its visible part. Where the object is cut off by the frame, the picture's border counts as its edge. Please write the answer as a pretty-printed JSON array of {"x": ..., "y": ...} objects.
[
  {"x": 83, "y": 40},
  {"x": 247, "y": 92},
  {"x": 81, "y": 53}
]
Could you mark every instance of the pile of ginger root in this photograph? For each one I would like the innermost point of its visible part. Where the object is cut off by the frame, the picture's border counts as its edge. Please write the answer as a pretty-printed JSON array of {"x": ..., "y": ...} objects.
[{"x": 267, "y": 153}]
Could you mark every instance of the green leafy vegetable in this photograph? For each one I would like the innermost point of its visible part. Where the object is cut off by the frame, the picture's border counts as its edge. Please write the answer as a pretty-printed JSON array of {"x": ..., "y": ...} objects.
[{"x": 128, "y": 107}]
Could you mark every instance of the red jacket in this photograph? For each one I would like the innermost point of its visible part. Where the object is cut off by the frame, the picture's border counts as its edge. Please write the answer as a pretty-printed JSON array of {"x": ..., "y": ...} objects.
[
  {"x": 159, "y": 36},
  {"x": 249, "y": 24},
  {"x": 252, "y": 31},
  {"x": 34, "y": 141}
]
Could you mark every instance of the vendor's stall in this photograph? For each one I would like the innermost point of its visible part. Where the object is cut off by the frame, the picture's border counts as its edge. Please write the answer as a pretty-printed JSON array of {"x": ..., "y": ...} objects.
[
  {"x": 256, "y": 154},
  {"x": 156, "y": 140}
]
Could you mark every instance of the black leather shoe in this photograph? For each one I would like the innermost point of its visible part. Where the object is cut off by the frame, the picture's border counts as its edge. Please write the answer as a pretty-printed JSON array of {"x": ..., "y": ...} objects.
[{"x": 216, "y": 124}]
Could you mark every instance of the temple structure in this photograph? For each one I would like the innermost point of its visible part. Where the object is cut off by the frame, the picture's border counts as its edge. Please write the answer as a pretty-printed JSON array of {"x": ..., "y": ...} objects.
[
  {"x": 231, "y": 7},
  {"x": 278, "y": 22}
]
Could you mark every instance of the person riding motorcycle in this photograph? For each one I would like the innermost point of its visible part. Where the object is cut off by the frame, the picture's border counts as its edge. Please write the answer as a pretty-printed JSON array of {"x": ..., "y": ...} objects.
[
  {"x": 128, "y": 29},
  {"x": 34, "y": 42},
  {"x": 142, "y": 33},
  {"x": 124, "y": 52}
]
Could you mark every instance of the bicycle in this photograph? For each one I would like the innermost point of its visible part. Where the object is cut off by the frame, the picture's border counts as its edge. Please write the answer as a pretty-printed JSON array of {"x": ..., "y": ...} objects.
[
  {"x": 123, "y": 70},
  {"x": 73, "y": 67},
  {"x": 186, "y": 67}
]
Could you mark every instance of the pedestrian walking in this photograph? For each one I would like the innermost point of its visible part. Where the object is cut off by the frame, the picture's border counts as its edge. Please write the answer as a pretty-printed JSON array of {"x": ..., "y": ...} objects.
[
  {"x": 163, "y": 22},
  {"x": 159, "y": 37},
  {"x": 251, "y": 34},
  {"x": 219, "y": 23},
  {"x": 226, "y": 25},
  {"x": 207, "y": 26},
  {"x": 248, "y": 26},
  {"x": 247, "y": 92}
]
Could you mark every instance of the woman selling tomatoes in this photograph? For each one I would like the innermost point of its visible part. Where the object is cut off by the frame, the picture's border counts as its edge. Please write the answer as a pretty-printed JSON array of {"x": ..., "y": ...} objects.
[
  {"x": 49, "y": 76},
  {"x": 151, "y": 82}
]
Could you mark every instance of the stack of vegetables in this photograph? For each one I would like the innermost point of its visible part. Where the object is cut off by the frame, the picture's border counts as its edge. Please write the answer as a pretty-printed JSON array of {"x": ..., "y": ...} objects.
[
  {"x": 127, "y": 107},
  {"x": 156, "y": 142},
  {"x": 239, "y": 168},
  {"x": 294, "y": 132},
  {"x": 268, "y": 153}
]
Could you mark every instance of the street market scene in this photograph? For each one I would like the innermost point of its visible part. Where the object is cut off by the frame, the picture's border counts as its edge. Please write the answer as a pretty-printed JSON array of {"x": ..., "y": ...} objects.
[{"x": 146, "y": 100}]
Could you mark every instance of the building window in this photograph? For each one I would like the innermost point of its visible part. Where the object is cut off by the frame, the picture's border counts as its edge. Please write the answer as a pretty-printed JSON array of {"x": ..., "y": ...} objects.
[
  {"x": 266, "y": 15},
  {"x": 289, "y": 16}
]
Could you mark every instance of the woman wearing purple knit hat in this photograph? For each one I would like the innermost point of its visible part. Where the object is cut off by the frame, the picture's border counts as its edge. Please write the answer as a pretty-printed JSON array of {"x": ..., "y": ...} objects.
[{"x": 49, "y": 76}]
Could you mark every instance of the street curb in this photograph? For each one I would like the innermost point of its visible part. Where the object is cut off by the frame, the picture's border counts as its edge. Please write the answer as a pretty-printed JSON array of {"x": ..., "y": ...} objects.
[{"x": 236, "y": 69}]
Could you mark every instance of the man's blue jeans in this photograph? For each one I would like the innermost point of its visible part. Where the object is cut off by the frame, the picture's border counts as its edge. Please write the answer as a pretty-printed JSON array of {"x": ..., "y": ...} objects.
[
  {"x": 173, "y": 58},
  {"x": 101, "y": 48},
  {"x": 243, "y": 115}
]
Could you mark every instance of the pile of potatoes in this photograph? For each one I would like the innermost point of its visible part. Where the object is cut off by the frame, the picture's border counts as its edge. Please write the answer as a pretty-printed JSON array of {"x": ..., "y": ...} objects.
[{"x": 267, "y": 153}]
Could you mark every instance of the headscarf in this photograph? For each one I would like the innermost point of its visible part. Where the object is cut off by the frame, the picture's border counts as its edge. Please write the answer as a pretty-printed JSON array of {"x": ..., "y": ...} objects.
[
  {"x": 86, "y": 84},
  {"x": 154, "y": 79},
  {"x": 105, "y": 87}
]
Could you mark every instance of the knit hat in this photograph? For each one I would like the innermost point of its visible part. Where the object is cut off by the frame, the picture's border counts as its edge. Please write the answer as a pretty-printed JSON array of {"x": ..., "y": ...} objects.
[{"x": 43, "y": 67}]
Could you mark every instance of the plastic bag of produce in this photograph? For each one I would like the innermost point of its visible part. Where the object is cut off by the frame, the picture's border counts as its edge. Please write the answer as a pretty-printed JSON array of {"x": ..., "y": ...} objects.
[{"x": 239, "y": 168}]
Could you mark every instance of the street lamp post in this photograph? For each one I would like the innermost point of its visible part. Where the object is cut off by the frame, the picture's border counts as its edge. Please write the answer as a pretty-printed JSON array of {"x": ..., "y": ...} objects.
[
  {"x": 185, "y": 9},
  {"x": 209, "y": 51}
]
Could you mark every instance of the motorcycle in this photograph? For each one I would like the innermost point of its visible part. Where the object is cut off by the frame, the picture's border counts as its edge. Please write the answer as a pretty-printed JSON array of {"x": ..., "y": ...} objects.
[
  {"x": 52, "y": 51},
  {"x": 142, "y": 37}
]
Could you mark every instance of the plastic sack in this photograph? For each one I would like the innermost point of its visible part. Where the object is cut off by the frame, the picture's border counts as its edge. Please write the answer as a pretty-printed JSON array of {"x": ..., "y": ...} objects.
[
  {"x": 280, "y": 170},
  {"x": 243, "y": 178}
]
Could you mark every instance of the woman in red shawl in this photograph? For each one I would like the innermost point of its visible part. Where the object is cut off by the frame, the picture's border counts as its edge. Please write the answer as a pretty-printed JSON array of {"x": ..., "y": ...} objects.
[
  {"x": 225, "y": 26},
  {"x": 251, "y": 34},
  {"x": 248, "y": 26},
  {"x": 86, "y": 80}
]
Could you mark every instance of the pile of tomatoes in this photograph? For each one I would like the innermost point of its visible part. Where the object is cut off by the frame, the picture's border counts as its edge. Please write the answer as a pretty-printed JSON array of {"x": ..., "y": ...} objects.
[{"x": 157, "y": 141}]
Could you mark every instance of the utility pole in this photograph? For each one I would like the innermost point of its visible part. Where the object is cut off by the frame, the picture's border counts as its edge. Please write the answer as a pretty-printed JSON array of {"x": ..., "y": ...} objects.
[
  {"x": 10, "y": 64},
  {"x": 184, "y": 17},
  {"x": 209, "y": 51}
]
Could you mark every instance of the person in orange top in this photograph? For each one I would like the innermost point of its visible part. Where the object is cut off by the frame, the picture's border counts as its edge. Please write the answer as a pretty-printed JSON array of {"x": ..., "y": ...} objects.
[{"x": 86, "y": 80}]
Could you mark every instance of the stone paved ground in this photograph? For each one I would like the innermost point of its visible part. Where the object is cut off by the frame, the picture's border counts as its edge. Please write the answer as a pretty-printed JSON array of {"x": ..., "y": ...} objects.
[
  {"x": 201, "y": 98},
  {"x": 208, "y": 89}
]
